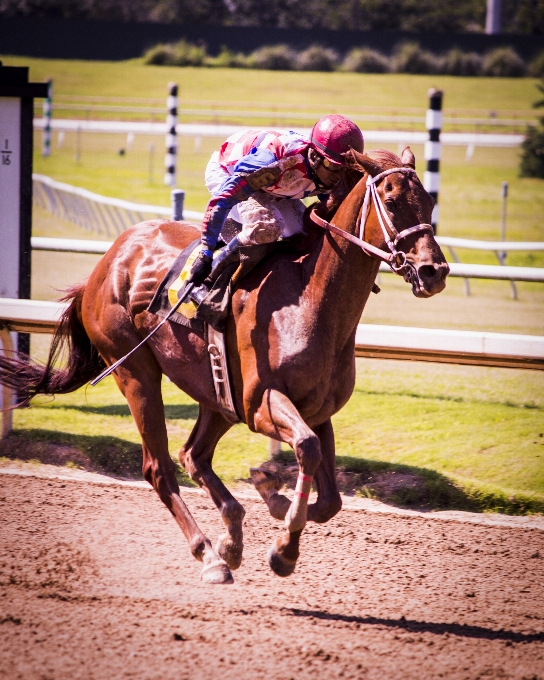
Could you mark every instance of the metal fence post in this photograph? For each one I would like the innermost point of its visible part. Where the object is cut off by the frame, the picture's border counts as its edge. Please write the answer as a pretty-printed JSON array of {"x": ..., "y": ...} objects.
[{"x": 177, "y": 197}]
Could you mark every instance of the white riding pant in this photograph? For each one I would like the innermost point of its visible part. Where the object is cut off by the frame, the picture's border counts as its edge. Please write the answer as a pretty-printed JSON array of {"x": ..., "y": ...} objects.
[{"x": 264, "y": 217}]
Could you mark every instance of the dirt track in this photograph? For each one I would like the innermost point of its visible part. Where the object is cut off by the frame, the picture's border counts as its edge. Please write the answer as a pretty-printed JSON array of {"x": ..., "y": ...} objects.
[{"x": 97, "y": 582}]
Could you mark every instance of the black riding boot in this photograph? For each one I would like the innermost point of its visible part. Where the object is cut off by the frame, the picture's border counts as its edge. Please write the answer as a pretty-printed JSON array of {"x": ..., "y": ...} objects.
[{"x": 229, "y": 254}]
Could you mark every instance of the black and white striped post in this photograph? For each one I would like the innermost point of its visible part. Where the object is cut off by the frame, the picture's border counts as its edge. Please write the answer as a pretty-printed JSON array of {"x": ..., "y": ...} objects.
[
  {"x": 47, "y": 110},
  {"x": 433, "y": 121},
  {"x": 171, "y": 140}
]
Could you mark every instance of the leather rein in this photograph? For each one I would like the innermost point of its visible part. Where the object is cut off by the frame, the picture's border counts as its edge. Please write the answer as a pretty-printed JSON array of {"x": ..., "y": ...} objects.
[{"x": 396, "y": 259}]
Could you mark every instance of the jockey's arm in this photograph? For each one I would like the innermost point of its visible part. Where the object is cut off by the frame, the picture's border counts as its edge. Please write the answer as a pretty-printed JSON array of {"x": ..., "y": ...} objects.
[
  {"x": 234, "y": 190},
  {"x": 253, "y": 172}
]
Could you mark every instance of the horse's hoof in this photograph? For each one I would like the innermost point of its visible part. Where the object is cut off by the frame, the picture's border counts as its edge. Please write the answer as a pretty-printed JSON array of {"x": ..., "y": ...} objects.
[
  {"x": 216, "y": 572},
  {"x": 229, "y": 551},
  {"x": 281, "y": 566},
  {"x": 263, "y": 480}
]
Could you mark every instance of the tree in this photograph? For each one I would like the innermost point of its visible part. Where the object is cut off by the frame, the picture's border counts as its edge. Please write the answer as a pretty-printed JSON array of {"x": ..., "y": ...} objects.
[{"x": 532, "y": 157}]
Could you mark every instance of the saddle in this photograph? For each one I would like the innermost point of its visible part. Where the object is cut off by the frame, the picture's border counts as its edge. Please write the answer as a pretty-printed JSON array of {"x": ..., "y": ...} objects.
[{"x": 209, "y": 315}]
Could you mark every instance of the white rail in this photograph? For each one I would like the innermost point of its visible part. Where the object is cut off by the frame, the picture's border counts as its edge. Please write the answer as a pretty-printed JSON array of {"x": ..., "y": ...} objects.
[
  {"x": 224, "y": 131},
  {"x": 499, "y": 246},
  {"x": 373, "y": 341},
  {"x": 473, "y": 271},
  {"x": 93, "y": 212}
]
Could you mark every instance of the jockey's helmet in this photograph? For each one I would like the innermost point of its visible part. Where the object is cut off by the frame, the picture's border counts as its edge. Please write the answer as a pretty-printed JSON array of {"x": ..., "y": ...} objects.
[{"x": 332, "y": 136}]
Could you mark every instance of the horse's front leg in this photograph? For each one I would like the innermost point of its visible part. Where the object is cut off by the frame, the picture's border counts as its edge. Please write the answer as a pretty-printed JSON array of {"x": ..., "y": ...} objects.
[
  {"x": 196, "y": 456},
  {"x": 277, "y": 417},
  {"x": 329, "y": 501}
]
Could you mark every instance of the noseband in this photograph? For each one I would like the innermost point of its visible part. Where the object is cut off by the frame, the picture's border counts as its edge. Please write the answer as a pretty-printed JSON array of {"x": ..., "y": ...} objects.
[{"x": 397, "y": 259}]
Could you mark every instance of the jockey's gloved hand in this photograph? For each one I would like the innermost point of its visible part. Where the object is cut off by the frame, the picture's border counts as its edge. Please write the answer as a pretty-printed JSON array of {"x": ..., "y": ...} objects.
[{"x": 201, "y": 269}]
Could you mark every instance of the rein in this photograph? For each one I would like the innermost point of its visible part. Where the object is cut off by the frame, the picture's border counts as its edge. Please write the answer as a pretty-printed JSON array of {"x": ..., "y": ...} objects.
[{"x": 397, "y": 259}]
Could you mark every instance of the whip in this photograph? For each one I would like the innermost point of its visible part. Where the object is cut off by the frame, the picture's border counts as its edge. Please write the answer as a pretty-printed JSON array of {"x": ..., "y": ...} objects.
[{"x": 186, "y": 292}]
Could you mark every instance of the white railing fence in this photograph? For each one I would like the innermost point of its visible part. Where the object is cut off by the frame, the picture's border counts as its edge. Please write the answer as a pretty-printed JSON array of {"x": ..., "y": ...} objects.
[
  {"x": 111, "y": 216},
  {"x": 93, "y": 212},
  {"x": 377, "y": 342}
]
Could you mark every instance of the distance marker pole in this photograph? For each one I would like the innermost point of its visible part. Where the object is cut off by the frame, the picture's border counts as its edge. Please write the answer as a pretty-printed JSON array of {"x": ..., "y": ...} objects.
[
  {"x": 47, "y": 106},
  {"x": 433, "y": 150},
  {"x": 171, "y": 139}
]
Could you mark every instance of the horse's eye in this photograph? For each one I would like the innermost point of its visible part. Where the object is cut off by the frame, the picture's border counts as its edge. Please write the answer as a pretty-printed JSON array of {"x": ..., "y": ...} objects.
[{"x": 390, "y": 204}]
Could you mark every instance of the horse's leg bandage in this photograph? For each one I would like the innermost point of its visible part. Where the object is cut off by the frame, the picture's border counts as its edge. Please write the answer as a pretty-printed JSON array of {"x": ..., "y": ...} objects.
[{"x": 295, "y": 520}]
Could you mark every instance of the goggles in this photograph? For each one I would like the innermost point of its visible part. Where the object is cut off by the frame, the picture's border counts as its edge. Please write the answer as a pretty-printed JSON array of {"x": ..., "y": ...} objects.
[{"x": 329, "y": 165}]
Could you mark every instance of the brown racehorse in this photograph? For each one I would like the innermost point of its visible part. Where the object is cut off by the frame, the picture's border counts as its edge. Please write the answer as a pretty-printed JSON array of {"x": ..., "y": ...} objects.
[{"x": 290, "y": 341}]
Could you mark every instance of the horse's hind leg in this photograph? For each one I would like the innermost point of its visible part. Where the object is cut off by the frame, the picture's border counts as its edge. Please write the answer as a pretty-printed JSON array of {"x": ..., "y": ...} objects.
[
  {"x": 196, "y": 457},
  {"x": 278, "y": 417},
  {"x": 140, "y": 382}
]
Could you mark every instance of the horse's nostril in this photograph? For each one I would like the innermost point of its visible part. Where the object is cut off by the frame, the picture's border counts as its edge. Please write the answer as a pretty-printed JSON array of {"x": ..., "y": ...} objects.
[{"x": 427, "y": 271}]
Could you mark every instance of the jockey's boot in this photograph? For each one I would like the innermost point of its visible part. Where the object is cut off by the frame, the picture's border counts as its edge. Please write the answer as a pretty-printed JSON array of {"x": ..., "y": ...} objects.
[{"x": 227, "y": 255}]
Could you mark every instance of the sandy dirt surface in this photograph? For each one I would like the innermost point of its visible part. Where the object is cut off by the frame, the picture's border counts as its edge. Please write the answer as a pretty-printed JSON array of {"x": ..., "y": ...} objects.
[{"x": 96, "y": 581}]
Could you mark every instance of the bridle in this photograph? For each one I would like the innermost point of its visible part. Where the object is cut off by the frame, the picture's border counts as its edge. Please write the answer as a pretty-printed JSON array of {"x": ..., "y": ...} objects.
[{"x": 397, "y": 259}]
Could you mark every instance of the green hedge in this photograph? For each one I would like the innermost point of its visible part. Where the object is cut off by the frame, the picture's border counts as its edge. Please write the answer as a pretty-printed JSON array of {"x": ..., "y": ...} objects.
[{"x": 503, "y": 62}]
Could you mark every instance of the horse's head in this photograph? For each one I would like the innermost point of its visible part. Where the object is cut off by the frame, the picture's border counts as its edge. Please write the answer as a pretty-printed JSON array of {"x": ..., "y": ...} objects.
[{"x": 405, "y": 204}]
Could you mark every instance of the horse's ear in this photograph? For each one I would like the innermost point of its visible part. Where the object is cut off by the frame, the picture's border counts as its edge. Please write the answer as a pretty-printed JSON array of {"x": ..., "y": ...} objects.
[
  {"x": 362, "y": 163},
  {"x": 408, "y": 159}
]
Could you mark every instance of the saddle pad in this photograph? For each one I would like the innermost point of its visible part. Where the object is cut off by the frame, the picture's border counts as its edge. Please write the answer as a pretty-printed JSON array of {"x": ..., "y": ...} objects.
[
  {"x": 166, "y": 294},
  {"x": 214, "y": 309}
]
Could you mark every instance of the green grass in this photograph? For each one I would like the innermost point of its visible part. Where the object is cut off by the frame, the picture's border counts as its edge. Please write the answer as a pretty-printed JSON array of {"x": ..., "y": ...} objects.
[
  {"x": 330, "y": 91},
  {"x": 464, "y": 437}
]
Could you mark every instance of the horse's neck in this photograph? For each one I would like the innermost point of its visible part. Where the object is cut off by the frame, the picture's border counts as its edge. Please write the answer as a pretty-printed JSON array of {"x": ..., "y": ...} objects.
[{"x": 345, "y": 273}]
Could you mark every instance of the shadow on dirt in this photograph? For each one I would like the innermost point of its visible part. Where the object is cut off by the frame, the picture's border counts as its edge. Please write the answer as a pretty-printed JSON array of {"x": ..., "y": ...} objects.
[
  {"x": 460, "y": 630},
  {"x": 405, "y": 486},
  {"x": 112, "y": 456}
]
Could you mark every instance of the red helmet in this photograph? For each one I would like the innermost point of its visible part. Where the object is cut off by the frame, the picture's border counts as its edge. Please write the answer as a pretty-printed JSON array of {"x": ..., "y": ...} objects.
[{"x": 333, "y": 135}]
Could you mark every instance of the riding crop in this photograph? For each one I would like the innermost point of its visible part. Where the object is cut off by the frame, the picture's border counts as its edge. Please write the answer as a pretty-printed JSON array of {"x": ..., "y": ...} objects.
[{"x": 186, "y": 292}]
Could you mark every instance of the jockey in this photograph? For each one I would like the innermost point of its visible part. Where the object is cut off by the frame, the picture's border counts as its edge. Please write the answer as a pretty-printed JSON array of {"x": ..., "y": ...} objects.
[{"x": 254, "y": 178}]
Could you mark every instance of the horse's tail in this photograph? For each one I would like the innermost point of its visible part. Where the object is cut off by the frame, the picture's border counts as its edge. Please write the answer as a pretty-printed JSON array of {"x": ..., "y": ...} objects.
[{"x": 71, "y": 346}]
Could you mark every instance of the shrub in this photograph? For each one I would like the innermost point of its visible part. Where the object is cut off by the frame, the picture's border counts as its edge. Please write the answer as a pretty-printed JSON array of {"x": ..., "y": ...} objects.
[
  {"x": 186, "y": 54},
  {"x": 181, "y": 53},
  {"x": 503, "y": 62},
  {"x": 160, "y": 55},
  {"x": 459, "y": 63},
  {"x": 532, "y": 153},
  {"x": 410, "y": 58},
  {"x": 317, "y": 58},
  {"x": 365, "y": 60},
  {"x": 274, "y": 58},
  {"x": 228, "y": 59},
  {"x": 536, "y": 67}
]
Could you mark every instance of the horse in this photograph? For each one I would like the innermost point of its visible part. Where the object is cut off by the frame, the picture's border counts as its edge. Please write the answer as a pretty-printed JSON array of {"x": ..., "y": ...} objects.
[{"x": 290, "y": 340}]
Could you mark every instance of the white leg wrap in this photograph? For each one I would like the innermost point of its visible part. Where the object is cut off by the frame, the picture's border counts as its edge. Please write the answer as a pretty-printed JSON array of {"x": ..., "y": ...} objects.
[{"x": 295, "y": 520}]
